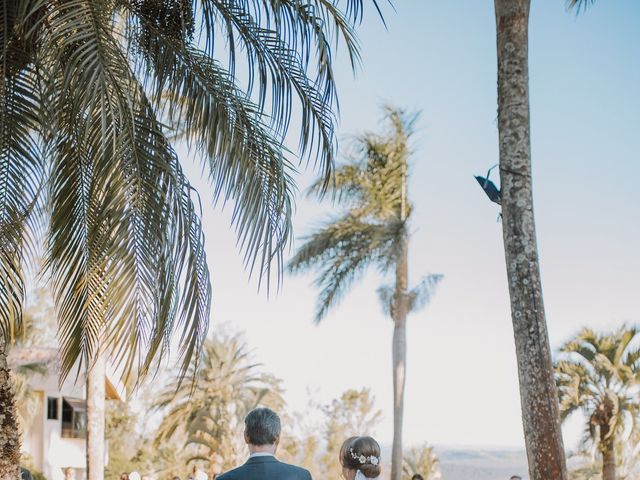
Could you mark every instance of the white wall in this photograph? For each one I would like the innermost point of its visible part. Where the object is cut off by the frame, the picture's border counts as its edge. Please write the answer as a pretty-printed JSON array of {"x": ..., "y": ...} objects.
[{"x": 44, "y": 442}]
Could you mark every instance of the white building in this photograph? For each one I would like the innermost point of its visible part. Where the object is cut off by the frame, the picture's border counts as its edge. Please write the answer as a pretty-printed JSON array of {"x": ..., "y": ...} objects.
[{"x": 56, "y": 438}]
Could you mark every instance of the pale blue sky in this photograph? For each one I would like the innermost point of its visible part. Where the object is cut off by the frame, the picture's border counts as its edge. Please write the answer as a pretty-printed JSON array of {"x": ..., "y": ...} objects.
[{"x": 439, "y": 57}]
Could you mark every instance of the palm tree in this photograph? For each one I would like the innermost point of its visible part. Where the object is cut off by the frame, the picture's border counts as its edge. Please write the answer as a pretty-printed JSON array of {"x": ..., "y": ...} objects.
[
  {"x": 87, "y": 88},
  {"x": 538, "y": 397},
  {"x": 372, "y": 232},
  {"x": 600, "y": 375},
  {"x": 208, "y": 406},
  {"x": 588, "y": 463}
]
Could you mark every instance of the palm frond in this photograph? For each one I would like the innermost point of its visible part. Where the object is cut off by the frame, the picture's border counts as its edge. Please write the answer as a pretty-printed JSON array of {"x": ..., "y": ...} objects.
[
  {"x": 279, "y": 67},
  {"x": 579, "y": 5},
  {"x": 347, "y": 187},
  {"x": 133, "y": 235},
  {"x": 344, "y": 249},
  {"x": 21, "y": 174},
  {"x": 386, "y": 296},
  {"x": 354, "y": 9},
  {"x": 593, "y": 374},
  {"x": 244, "y": 158},
  {"x": 421, "y": 294}
]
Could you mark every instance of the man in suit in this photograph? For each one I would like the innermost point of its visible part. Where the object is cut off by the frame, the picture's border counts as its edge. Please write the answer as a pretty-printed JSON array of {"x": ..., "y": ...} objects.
[
  {"x": 25, "y": 474},
  {"x": 262, "y": 435}
]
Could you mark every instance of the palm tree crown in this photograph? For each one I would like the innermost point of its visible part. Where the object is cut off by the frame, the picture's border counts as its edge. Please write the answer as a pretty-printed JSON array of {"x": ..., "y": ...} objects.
[
  {"x": 89, "y": 94},
  {"x": 600, "y": 375},
  {"x": 371, "y": 231}
]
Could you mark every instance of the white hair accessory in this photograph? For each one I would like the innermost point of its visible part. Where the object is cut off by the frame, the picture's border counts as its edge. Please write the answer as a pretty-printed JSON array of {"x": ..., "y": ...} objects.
[{"x": 373, "y": 460}]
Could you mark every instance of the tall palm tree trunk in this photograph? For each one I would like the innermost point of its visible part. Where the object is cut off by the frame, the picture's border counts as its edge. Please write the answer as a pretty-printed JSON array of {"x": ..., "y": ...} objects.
[
  {"x": 539, "y": 400},
  {"x": 609, "y": 465},
  {"x": 607, "y": 443},
  {"x": 9, "y": 437},
  {"x": 399, "y": 354},
  {"x": 609, "y": 462},
  {"x": 95, "y": 418}
]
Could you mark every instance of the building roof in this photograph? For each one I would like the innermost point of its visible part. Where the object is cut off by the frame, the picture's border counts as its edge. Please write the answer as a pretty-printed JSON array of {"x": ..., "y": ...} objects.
[
  {"x": 49, "y": 358},
  {"x": 22, "y": 357}
]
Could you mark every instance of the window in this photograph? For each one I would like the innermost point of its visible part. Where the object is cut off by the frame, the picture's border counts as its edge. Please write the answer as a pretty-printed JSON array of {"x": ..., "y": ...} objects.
[
  {"x": 52, "y": 408},
  {"x": 74, "y": 418}
]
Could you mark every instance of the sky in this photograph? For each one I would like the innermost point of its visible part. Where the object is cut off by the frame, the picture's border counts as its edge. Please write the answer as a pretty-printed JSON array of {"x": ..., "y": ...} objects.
[{"x": 438, "y": 57}]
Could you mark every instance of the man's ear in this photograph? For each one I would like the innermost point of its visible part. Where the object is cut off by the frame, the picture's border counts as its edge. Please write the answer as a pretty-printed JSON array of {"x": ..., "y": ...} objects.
[
  {"x": 246, "y": 438},
  {"x": 277, "y": 442}
]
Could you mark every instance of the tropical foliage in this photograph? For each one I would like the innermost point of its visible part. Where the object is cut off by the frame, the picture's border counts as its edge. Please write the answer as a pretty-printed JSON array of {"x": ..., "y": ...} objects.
[
  {"x": 421, "y": 460},
  {"x": 587, "y": 464},
  {"x": 131, "y": 446},
  {"x": 208, "y": 407},
  {"x": 353, "y": 413},
  {"x": 599, "y": 374},
  {"x": 90, "y": 94},
  {"x": 86, "y": 91},
  {"x": 372, "y": 232}
]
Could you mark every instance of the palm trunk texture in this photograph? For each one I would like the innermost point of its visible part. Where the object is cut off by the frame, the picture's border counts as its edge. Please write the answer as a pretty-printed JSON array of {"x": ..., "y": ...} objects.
[
  {"x": 609, "y": 465},
  {"x": 95, "y": 419},
  {"x": 9, "y": 436},
  {"x": 538, "y": 396},
  {"x": 608, "y": 454},
  {"x": 399, "y": 359}
]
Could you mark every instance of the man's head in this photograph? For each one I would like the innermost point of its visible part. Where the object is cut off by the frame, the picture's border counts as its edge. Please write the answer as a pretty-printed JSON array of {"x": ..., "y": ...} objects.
[
  {"x": 515, "y": 477},
  {"x": 262, "y": 430},
  {"x": 417, "y": 476}
]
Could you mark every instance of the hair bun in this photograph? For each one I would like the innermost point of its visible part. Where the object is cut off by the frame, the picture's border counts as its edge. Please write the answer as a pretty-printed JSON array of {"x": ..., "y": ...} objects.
[
  {"x": 370, "y": 471},
  {"x": 363, "y": 454}
]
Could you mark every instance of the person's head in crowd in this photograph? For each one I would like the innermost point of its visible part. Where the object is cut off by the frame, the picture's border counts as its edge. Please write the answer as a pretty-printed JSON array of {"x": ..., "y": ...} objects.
[
  {"x": 360, "y": 454},
  {"x": 200, "y": 475},
  {"x": 262, "y": 430},
  {"x": 25, "y": 474}
]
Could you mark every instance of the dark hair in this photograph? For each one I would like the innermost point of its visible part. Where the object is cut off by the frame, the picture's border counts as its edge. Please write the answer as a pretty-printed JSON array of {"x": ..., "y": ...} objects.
[
  {"x": 356, "y": 447},
  {"x": 515, "y": 477},
  {"x": 262, "y": 426},
  {"x": 417, "y": 476}
]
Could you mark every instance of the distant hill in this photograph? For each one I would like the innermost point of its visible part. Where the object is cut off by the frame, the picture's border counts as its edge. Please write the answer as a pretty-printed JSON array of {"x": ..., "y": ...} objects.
[
  {"x": 481, "y": 464},
  {"x": 473, "y": 463}
]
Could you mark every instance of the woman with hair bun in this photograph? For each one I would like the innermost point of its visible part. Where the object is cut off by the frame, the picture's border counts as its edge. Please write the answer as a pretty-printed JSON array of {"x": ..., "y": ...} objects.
[{"x": 360, "y": 458}]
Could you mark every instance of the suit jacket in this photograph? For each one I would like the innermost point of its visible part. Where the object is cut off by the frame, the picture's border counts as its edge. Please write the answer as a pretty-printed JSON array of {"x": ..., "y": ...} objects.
[
  {"x": 25, "y": 474},
  {"x": 266, "y": 468}
]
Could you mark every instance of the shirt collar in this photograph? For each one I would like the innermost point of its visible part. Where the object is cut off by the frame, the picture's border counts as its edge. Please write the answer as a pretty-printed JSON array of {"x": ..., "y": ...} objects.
[{"x": 261, "y": 454}]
